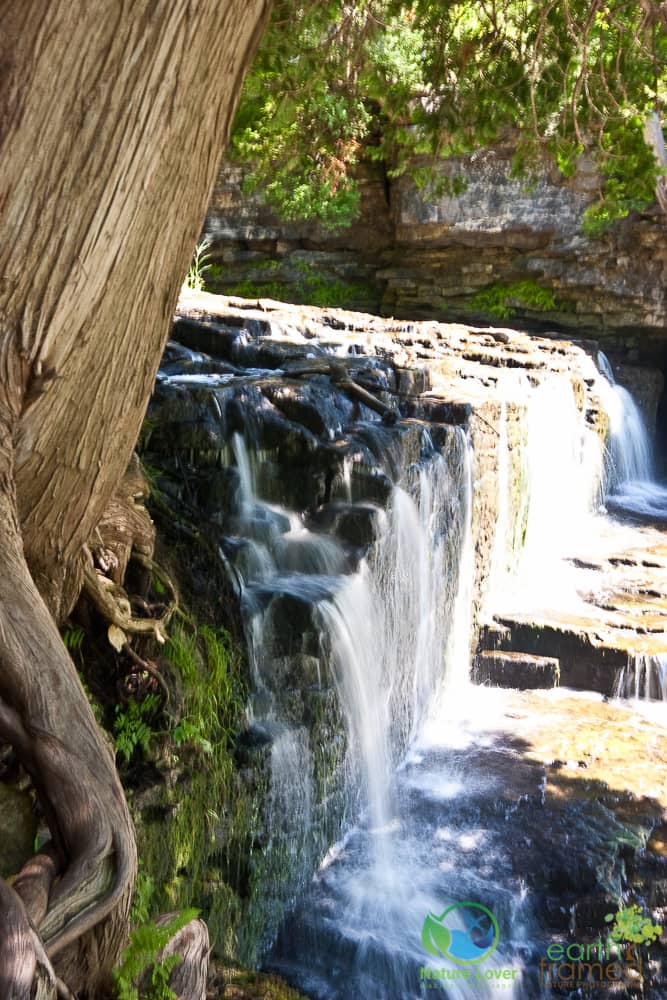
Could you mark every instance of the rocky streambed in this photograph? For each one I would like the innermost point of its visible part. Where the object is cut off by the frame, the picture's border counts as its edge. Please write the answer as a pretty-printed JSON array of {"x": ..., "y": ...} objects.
[{"x": 388, "y": 500}]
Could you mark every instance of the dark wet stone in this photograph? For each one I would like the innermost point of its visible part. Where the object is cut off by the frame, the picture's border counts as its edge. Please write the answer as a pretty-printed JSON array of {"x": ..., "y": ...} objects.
[
  {"x": 313, "y": 406},
  {"x": 357, "y": 524},
  {"x": 213, "y": 338}
]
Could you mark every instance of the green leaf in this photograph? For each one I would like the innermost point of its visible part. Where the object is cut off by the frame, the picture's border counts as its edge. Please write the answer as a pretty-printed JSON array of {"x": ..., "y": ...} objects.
[{"x": 436, "y": 939}]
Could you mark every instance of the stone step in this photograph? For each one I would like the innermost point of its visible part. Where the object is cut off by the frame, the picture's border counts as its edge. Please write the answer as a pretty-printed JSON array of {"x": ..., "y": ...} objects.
[{"x": 511, "y": 669}]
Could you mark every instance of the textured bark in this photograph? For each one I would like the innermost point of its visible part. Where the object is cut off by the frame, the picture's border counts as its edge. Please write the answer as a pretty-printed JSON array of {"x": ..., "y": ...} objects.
[
  {"x": 113, "y": 115},
  {"x": 188, "y": 980}
]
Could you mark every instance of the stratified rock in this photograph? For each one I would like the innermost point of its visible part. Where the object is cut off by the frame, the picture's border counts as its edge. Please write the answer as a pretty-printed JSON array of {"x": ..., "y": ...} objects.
[{"x": 511, "y": 669}]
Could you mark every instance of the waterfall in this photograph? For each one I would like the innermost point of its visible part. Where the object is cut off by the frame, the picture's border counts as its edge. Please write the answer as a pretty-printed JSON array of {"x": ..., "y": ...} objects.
[
  {"x": 630, "y": 457},
  {"x": 390, "y": 630},
  {"x": 559, "y": 480},
  {"x": 564, "y": 462},
  {"x": 402, "y": 624},
  {"x": 400, "y": 632},
  {"x": 501, "y": 540},
  {"x": 630, "y": 476}
]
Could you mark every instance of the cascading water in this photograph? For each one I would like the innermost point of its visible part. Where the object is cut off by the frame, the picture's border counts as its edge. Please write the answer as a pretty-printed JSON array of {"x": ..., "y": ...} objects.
[
  {"x": 630, "y": 486},
  {"x": 355, "y": 561},
  {"x": 359, "y": 931},
  {"x": 390, "y": 626}
]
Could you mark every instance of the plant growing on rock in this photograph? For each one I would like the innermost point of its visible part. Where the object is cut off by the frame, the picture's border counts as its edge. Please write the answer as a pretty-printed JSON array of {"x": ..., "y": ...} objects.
[
  {"x": 392, "y": 80},
  {"x": 195, "y": 278}
]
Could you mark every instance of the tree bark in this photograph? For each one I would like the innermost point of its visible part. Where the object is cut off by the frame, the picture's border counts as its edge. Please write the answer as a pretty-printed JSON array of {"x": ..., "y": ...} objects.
[
  {"x": 189, "y": 978},
  {"x": 113, "y": 115}
]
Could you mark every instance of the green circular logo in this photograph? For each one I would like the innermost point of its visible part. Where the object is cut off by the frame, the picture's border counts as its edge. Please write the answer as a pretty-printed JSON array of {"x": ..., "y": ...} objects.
[{"x": 465, "y": 933}]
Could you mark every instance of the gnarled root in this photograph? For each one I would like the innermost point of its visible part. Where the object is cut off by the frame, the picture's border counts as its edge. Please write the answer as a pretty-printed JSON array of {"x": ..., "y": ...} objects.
[{"x": 82, "y": 886}]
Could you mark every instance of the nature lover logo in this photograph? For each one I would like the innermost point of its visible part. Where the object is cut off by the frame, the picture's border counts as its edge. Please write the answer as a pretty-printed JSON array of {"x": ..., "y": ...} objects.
[{"x": 464, "y": 933}]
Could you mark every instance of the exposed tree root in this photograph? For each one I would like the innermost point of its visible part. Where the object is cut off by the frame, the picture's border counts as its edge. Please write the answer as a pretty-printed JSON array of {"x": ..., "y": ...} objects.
[
  {"x": 188, "y": 980},
  {"x": 75, "y": 895},
  {"x": 149, "y": 668}
]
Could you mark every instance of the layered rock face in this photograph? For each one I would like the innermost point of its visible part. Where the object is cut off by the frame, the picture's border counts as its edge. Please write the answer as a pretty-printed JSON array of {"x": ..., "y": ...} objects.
[{"x": 506, "y": 247}]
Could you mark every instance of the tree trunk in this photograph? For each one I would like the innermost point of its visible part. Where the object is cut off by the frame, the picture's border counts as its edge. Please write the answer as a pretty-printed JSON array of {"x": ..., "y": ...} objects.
[{"x": 113, "y": 116}]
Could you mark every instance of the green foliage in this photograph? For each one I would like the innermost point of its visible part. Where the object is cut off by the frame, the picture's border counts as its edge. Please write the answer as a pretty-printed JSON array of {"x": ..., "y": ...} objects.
[
  {"x": 132, "y": 726},
  {"x": 144, "y": 889},
  {"x": 393, "y": 79},
  {"x": 194, "y": 280},
  {"x": 213, "y": 698},
  {"x": 214, "y": 273},
  {"x": 73, "y": 637},
  {"x": 311, "y": 288},
  {"x": 178, "y": 848},
  {"x": 630, "y": 924},
  {"x": 187, "y": 731},
  {"x": 503, "y": 300},
  {"x": 146, "y": 942}
]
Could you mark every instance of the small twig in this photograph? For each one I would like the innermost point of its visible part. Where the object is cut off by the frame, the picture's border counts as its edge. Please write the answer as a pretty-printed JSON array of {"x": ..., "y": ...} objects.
[{"x": 150, "y": 669}]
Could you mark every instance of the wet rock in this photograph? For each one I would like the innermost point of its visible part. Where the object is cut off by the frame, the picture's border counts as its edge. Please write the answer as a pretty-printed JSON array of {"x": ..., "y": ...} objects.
[
  {"x": 314, "y": 406},
  {"x": 358, "y": 524},
  {"x": 513, "y": 669}
]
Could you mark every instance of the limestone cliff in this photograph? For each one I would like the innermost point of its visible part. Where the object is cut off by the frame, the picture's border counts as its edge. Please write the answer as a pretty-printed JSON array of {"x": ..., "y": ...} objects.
[{"x": 509, "y": 247}]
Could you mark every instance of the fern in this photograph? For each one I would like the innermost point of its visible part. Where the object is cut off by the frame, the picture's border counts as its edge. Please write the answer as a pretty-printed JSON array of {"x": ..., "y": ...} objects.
[
  {"x": 131, "y": 728},
  {"x": 73, "y": 638}
]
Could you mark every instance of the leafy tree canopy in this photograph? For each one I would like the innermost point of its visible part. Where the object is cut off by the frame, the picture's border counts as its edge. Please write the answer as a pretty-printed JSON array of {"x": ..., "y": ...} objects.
[{"x": 392, "y": 79}]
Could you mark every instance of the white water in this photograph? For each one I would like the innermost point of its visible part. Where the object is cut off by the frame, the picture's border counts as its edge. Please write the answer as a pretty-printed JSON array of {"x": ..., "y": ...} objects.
[
  {"x": 501, "y": 553},
  {"x": 391, "y": 630},
  {"x": 644, "y": 677},
  {"x": 565, "y": 476},
  {"x": 560, "y": 483},
  {"x": 630, "y": 475},
  {"x": 403, "y": 622}
]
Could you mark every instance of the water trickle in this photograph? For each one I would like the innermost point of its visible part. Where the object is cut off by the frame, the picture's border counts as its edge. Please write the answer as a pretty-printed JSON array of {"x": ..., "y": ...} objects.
[
  {"x": 247, "y": 487},
  {"x": 500, "y": 556},
  {"x": 644, "y": 677}
]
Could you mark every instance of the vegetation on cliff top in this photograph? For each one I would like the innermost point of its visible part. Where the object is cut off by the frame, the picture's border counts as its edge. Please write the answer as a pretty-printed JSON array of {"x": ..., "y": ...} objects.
[{"x": 393, "y": 79}]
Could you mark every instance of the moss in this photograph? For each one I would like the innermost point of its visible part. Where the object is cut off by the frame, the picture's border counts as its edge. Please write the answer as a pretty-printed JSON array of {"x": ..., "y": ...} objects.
[
  {"x": 179, "y": 821},
  {"x": 240, "y": 984},
  {"x": 503, "y": 301},
  {"x": 309, "y": 287}
]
